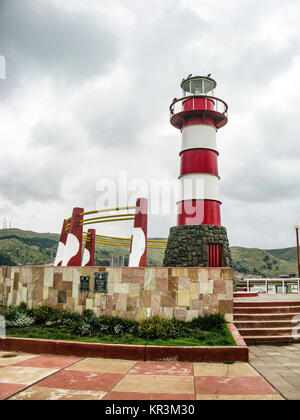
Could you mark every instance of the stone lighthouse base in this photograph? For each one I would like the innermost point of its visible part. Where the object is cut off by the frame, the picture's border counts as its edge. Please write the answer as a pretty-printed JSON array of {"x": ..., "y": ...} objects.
[{"x": 188, "y": 246}]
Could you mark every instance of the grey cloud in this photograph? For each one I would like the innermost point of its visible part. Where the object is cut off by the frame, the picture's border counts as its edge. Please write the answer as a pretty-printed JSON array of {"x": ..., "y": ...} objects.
[
  {"x": 280, "y": 132},
  {"x": 261, "y": 181},
  {"x": 165, "y": 42},
  {"x": 150, "y": 49},
  {"x": 57, "y": 135},
  {"x": 115, "y": 127},
  {"x": 5, "y": 210},
  {"x": 32, "y": 180},
  {"x": 40, "y": 38},
  {"x": 260, "y": 225}
]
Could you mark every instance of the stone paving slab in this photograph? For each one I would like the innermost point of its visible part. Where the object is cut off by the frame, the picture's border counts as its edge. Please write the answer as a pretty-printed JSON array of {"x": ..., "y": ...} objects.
[
  {"x": 32, "y": 377},
  {"x": 38, "y": 393},
  {"x": 280, "y": 366}
]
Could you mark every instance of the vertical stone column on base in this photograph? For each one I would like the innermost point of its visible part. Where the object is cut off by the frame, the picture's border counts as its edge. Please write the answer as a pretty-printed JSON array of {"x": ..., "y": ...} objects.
[
  {"x": 73, "y": 247},
  {"x": 88, "y": 259},
  {"x": 61, "y": 245},
  {"x": 138, "y": 252}
]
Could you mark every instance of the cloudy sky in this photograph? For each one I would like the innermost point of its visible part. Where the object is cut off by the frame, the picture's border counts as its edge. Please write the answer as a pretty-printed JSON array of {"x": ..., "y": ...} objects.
[{"x": 86, "y": 95}]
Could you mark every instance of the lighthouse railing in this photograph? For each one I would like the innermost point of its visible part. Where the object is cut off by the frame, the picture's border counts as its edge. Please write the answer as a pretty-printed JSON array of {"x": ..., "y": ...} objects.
[{"x": 219, "y": 105}]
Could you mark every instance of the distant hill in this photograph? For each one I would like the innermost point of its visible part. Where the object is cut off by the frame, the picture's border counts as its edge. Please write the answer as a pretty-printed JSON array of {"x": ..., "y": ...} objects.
[
  {"x": 288, "y": 254},
  {"x": 264, "y": 263},
  {"x": 20, "y": 247}
]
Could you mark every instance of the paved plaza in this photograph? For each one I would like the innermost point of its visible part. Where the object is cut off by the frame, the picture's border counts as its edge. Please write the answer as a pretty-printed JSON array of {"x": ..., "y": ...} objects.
[
  {"x": 39, "y": 377},
  {"x": 280, "y": 365}
]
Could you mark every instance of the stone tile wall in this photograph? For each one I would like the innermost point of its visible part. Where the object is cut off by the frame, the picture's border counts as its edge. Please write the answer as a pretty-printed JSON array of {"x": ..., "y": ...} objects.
[{"x": 133, "y": 293}]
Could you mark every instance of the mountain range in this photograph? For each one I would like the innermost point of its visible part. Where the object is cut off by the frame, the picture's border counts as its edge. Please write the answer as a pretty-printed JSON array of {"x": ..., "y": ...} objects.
[{"x": 20, "y": 247}]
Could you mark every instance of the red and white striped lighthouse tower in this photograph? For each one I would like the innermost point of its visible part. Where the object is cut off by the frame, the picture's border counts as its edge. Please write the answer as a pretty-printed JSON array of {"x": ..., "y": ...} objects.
[
  {"x": 199, "y": 115},
  {"x": 198, "y": 119}
]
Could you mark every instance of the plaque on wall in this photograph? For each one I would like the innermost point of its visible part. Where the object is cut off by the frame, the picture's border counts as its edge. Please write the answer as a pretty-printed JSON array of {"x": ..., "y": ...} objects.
[
  {"x": 84, "y": 283},
  {"x": 100, "y": 284}
]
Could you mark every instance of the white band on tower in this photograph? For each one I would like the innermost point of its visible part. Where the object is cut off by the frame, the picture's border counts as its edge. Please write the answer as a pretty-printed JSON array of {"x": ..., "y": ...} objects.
[
  {"x": 199, "y": 187},
  {"x": 199, "y": 137}
]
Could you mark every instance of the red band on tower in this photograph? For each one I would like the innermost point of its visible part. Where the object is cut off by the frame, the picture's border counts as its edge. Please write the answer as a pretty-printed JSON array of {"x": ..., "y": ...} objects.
[{"x": 199, "y": 161}]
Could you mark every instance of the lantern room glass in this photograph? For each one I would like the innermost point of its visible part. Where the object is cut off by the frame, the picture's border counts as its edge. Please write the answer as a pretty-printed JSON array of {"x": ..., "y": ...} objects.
[{"x": 198, "y": 86}]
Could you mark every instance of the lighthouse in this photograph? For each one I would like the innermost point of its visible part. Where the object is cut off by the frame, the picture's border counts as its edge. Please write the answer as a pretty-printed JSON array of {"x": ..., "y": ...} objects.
[{"x": 199, "y": 239}]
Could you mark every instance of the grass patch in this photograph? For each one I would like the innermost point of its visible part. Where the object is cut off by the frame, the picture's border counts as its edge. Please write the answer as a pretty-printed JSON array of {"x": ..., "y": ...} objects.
[
  {"x": 50, "y": 323},
  {"x": 197, "y": 338}
]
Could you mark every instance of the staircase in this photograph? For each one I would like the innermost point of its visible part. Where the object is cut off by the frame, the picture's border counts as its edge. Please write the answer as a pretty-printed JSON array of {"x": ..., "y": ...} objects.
[{"x": 264, "y": 322}]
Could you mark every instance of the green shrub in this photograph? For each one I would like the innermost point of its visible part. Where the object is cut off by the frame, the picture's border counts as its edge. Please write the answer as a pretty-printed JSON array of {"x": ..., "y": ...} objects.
[
  {"x": 209, "y": 322},
  {"x": 23, "y": 307},
  {"x": 21, "y": 320},
  {"x": 158, "y": 327},
  {"x": 88, "y": 324},
  {"x": 115, "y": 325},
  {"x": 11, "y": 313},
  {"x": 82, "y": 329},
  {"x": 88, "y": 313},
  {"x": 43, "y": 313},
  {"x": 63, "y": 318}
]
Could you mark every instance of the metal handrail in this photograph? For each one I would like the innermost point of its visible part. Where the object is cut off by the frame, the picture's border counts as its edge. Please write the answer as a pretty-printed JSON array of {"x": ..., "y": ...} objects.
[
  {"x": 107, "y": 210},
  {"x": 268, "y": 281},
  {"x": 116, "y": 216},
  {"x": 217, "y": 102}
]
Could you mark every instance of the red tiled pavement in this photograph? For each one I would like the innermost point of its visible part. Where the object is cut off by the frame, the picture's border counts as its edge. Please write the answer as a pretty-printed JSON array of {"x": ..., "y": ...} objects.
[
  {"x": 50, "y": 362},
  {"x": 233, "y": 386},
  {"x": 6, "y": 390},
  {"x": 162, "y": 368},
  {"x": 55, "y": 377},
  {"x": 120, "y": 396},
  {"x": 91, "y": 381},
  {"x": 208, "y": 384},
  {"x": 246, "y": 386}
]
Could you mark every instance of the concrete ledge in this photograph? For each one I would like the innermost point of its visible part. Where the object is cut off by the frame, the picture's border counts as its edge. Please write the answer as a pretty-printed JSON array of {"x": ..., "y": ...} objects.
[
  {"x": 240, "y": 353},
  {"x": 72, "y": 348},
  {"x": 197, "y": 354}
]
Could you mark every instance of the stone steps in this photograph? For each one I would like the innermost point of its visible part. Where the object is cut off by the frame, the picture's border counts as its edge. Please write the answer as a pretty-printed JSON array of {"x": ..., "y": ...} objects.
[
  {"x": 265, "y": 304},
  {"x": 272, "y": 339},
  {"x": 265, "y": 317},
  {"x": 260, "y": 322},
  {"x": 266, "y": 332},
  {"x": 241, "y": 325},
  {"x": 245, "y": 294},
  {"x": 267, "y": 310}
]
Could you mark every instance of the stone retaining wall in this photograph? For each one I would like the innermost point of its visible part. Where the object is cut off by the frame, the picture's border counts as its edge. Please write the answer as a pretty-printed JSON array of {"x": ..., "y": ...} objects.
[{"x": 134, "y": 293}]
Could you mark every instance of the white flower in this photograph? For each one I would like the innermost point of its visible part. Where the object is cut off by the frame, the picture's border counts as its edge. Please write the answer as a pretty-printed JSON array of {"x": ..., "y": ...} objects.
[{"x": 21, "y": 321}]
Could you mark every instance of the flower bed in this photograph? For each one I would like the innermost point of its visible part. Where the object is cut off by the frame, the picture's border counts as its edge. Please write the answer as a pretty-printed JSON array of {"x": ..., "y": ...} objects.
[{"x": 47, "y": 322}]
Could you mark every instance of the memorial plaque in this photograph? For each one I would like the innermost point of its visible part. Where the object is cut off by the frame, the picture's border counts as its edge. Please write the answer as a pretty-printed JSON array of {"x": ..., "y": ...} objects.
[
  {"x": 84, "y": 283},
  {"x": 100, "y": 284}
]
